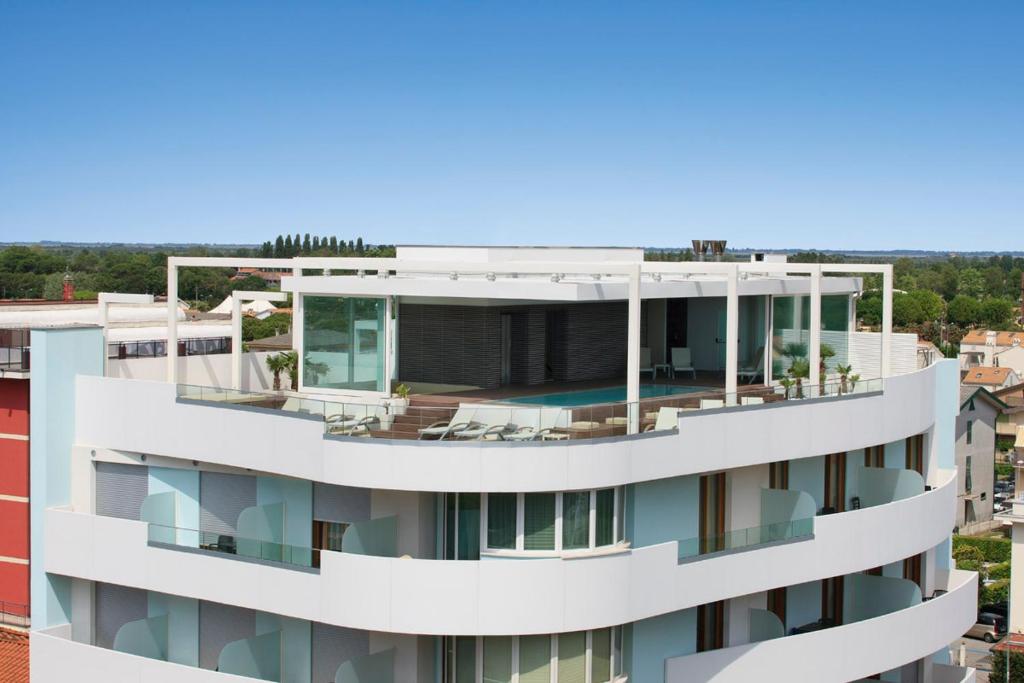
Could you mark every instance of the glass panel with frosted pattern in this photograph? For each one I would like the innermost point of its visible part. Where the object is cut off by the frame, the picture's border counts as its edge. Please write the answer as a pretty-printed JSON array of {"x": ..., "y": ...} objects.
[{"x": 575, "y": 520}]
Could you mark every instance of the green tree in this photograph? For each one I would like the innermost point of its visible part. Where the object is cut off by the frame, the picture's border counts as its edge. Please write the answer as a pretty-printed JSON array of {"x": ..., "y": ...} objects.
[
  {"x": 307, "y": 246},
  {"x": 964, "y": 310},
  {"x": 279, "y": 250},
  {"x": 996, "y": 313},
  {"x": 972, "y": 283}
]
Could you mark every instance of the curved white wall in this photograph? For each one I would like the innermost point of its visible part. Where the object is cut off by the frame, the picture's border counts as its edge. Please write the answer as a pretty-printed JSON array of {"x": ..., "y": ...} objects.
[
  {"x": 843, "y": 653},
  {"x": 145, "y": 417},
  {"x": 495, "y": 597}
]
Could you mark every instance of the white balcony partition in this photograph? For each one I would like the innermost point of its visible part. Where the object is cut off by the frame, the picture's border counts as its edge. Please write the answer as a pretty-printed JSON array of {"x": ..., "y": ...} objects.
[
  {"x": 847, "y": 652},
  {"x": 496, "y": 596}
]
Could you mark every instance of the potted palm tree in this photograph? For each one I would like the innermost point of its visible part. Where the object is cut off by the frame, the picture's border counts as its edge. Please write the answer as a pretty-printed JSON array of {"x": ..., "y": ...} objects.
[
  {"x": 853, "y": 382},
  {"x": 844, "y": 374},
  {"x": 399, "y": 402},
  {"x": 800, "y": 370},
  {"x": 787, "y": 384},
  {"x": 277, "y": 364},
  {"x": 825, "y": 351}
]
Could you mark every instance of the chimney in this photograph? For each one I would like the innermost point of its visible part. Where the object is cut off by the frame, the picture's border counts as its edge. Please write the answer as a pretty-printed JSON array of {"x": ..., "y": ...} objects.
[{"x": 69, "y": 287}]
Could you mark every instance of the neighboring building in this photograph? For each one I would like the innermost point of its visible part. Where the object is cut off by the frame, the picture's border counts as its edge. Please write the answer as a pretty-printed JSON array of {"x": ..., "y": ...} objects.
[
  {"x": 992, "y": 379},
  {"x": 1011, "y": 418},
  {"x": 564, "y": 498},
  {"x": 270, "y": 277},
  {"x": 990, "y": 348},
  {"x": 975, "y": 459}
]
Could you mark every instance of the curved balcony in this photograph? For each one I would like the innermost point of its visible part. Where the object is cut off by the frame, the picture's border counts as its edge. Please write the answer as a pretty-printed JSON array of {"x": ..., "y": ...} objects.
[
  {"x": 848, "y": 652},
  {"x": 497, "y": 596},
  {"x": 147, "y": 417}
]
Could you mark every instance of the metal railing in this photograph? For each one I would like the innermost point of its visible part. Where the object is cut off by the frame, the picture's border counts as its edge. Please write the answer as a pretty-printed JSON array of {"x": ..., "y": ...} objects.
[
  {"x": 15, "y": 358},
  {"x": 14, "y": 614},
  {"x": 500, "y": 422},
  {"x": 157, "y": 348},
  {"x": 233, "y": 544}
]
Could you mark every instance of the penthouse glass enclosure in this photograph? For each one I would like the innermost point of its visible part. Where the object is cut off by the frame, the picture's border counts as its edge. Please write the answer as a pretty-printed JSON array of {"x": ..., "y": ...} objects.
[{"x": 343, "y": 343}]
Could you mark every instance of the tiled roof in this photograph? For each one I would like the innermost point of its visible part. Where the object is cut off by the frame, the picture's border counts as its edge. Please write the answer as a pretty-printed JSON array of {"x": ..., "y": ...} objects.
[
  {"x": 986, "y": 375},
  {"x": 1002, "y": 338},
  {"x": 13, "y": 656}
]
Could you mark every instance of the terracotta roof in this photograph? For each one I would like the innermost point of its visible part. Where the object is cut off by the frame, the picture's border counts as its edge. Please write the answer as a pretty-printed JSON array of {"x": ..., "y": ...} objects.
[
  {"x": 1001, "y": 339},
  {"x": 13, "y": 656},
  {"x": 986, "y": 375}
]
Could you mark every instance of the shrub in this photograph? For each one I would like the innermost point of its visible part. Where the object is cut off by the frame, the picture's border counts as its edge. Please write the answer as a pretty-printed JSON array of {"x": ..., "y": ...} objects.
[
  {"x": 994, "y": 593},
  {"x": 994, "y": 550},
  {"x": 999, "y": 661},
  {"x": 969, "y": 557},
  {"x": 999, "y": 571}
]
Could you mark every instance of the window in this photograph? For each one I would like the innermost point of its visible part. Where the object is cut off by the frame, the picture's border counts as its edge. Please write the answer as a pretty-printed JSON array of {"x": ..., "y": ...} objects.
[
  {"x": 343, "y": 343},
  {"x": 915, "y": 453},
  {"x": 874, "y": 456},
  {"x": 778, "y": 475},
  {"x": 539, "y": 521},
  {"x": 573, "y": 520},
  {"x": 967, "y": 475},
  {"x": 970, "y": 432},
  {"x": 462, "y": 526},
  {"x": 835, "y": 482},
  {"x": 711, "y": 626},
  {"x": 777, "y": 603},
  {"x": 501, "y": 521},
  {"x": 832, "y": 600},
  {"x": 912, "y": 569},
  {"x": 712, "y": 513},
  {"x": 577, "y": 657}
]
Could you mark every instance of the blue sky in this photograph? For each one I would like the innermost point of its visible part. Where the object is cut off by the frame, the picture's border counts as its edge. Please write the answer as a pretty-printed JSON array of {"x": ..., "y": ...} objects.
[{"x": 872, "y": 125}]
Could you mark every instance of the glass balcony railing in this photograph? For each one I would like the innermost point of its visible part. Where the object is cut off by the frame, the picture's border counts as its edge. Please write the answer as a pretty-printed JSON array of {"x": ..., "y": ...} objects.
[
  {"x": 743, "y": 539},
  {"x": 506, "y": 422},
  {"x": 230, "y": 544}
]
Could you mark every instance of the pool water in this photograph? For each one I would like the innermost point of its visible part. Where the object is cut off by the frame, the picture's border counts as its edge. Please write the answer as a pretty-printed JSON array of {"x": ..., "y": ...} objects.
[{"x": 587, "y": 397}]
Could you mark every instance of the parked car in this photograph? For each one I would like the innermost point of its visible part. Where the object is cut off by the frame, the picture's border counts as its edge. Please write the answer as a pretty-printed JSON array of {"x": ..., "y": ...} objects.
[
  {"x": 997, "y": 608},
  {"x": 989, "y": 627}
]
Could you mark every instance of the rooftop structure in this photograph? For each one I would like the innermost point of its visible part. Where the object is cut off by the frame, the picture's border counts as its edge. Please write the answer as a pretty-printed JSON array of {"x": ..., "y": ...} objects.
[{"x": 603, "y": 470}]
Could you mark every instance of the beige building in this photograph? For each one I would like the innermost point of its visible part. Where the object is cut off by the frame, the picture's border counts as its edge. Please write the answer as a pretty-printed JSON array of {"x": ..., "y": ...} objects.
[
  {"x": 990, "y": 348},
  {"x": 989, "y": 378}
]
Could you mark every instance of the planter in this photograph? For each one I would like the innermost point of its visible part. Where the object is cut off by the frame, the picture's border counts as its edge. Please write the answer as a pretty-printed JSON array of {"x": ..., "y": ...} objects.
[
  {"x": 386, "y": 421},
  {"x": 398, "y": 406}
]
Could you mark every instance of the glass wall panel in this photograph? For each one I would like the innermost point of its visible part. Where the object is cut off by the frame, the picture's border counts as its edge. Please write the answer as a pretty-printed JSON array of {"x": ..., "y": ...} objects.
[
  {"x": 575, "y": 520},
  {"x": 535, "y": 659},
  {"x": 343, "y": 343},
  {"x": 835, "y": 331},
  {"x": 469, "y": 526},
  {"x": 605, "y": 517},
  {"x": 501, "y": 520},
  {"x": 790, "y": 333},
  {"x": 465, "y": 659},
  {"x": 498, "y": 659},
  {"x": 450, "y": 501},
  {"x": 601, "y": 656},
  {"x": 539, "y": 521},
  {"x": 572, "y": 657}
]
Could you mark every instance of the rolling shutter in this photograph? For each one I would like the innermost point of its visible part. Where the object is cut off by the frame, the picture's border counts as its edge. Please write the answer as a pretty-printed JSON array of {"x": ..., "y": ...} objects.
[
  {"x": 120, "y": 489},
  {"x": 340, "y": 503},
  {"x": 222, "y": 497},
  {"x": 115, "y": 607},
  {"x": 220, "y": 625},
  {"x": 333, "y": 645}
]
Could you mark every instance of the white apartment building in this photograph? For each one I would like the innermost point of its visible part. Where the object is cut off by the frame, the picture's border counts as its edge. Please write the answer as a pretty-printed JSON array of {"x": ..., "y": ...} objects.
[{"x": 605, "y": 471}]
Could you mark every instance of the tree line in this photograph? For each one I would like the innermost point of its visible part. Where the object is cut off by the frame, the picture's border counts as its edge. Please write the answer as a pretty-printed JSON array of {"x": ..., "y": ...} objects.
[{"x": 285, "y": 246}]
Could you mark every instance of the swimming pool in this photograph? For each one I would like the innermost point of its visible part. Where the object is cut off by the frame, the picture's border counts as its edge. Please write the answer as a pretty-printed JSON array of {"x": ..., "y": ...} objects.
[{"x": 586, "y": 397}]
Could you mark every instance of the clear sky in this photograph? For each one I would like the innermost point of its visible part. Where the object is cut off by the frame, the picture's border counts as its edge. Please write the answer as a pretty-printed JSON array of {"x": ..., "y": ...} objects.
[{"x": 872, "y": 125}]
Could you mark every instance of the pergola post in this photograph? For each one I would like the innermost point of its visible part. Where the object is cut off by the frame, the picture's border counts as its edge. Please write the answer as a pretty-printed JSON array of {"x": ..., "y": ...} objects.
[
  {"x": 814, "y": 326},
  {"x": 237, "y": 297},
  {"x": 172, "y": 321},
  {"x": 633, "y": 352},
  {"x": 107, "y": 298},
  {"x": 886, "y": 355},
  {"x": 732, "y": 333}
]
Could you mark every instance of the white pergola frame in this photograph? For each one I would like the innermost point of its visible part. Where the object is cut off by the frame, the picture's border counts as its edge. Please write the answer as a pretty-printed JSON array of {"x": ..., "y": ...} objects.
[
  {"x": 633, "y": 272},
  {"x": 108, "y": 298}
]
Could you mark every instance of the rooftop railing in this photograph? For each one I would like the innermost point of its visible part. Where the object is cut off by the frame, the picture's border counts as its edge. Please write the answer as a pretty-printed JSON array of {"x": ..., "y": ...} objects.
[
  {"x": 157, "y": 348},
  {"x": 14, "y": 614},
  {"x": 509, "y": 423}
]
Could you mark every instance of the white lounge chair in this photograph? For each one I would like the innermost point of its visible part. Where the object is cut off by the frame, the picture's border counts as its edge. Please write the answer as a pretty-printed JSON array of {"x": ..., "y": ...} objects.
[
  {"x": 682, "y": 361},
  {"x": 706, "y": 403},
  {"x": 753, "y": 371},
  {"x": 668, "y": 418},
  {"x": 645, "y": 361},
  {"x": 462, "y": 419},
  {"x": 751, "y": 400}
]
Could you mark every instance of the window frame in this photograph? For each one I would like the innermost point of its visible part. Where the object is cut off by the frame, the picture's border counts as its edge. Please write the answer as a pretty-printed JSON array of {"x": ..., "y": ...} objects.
[{"x": 618, "y": 528}]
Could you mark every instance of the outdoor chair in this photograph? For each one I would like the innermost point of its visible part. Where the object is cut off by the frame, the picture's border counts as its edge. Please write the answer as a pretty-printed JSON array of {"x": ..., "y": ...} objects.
[{"x": 682, "y": 361}]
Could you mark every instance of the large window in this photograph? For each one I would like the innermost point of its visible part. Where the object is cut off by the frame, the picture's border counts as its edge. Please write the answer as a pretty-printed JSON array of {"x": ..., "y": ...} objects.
[
  {"x": 574, "y": 520},
  {"x": 578, "y": 657},
  {"x": 343, "y": 343},
  {"x": 462, "y": 526},
  {"x": 791, "y": 317}
]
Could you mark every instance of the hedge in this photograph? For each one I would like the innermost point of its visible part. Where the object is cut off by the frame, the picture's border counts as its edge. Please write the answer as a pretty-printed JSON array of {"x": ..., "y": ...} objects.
[
  {"x": 999, "y": 658},
  {"x": 994, "y": 593},
  {"x": 999, "y": 571},
  {"x": 995, "y": 550}
]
